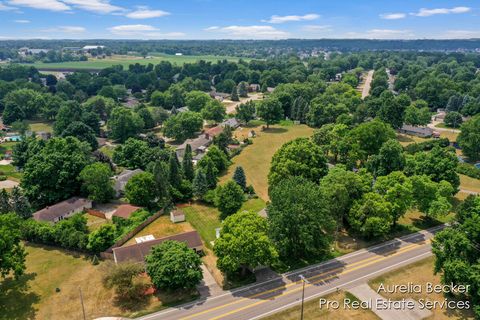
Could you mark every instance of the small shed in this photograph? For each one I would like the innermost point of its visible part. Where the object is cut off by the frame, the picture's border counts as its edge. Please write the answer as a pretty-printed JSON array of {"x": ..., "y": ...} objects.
[{"x": 177, "y": 216}]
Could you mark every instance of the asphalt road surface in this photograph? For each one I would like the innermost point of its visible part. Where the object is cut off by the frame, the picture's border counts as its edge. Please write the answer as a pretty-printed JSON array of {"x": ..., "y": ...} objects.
[{"x": 262, "y": 299}]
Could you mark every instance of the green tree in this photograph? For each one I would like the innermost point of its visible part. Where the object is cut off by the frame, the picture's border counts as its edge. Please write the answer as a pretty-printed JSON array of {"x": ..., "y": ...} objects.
[
  {"x": 12, "y": 253},
  {"x": 51, "y": 174},
  {"x": 146, "y": 115},
  {"x": 390, "y": 158},
  {"x": 370, "y": 136},
  {"x": 174, "y": 173},
  {"x": 5, "y": 206},
  {"x": 417, "y": 117},
  {"x": 242, "y": 90},
  {"x": 200, "y": 184},
  {"x": 430, "y": 197},
  {"x": 453, "y": 119},
  {"x": 20, "y": 204},
  {"x": 300, "y": 223},
  {"x": 187, "y": 164},
  {"x": 159, "y": 169},
  {"x": 239, "y": 177},
  {"x": 197, "y": 100},
  {"x": 69, "y": 112},
  {"x": 211, "y": 172},
  {"x": 244, "y": 243},
  {"x": 469, "y": 137},
  {"x": 218, "y": 157},
  {"x": 299, "y": 157},
  {"x": 183, "y": 125},
  {"x": 228, "y": 198},
  {"x": 20, "y": 104},
  {"x": 270, "y": 110},
  {"x": 141, "y": 190},
  {"x": 96, "y": 182},
  {"x": 101, "y": 239},
  {"x": 82, "y": 132},
  {"x": 371, "y": 216},
  {"x": 123, "y": 124},
  {"x": 132, "y": 154},
  {"x": 214, "y": 110},
  {"x": 172, "y": 265},
  {"x": 246, "y": 111},
  {"x": 234, "y": 95}
]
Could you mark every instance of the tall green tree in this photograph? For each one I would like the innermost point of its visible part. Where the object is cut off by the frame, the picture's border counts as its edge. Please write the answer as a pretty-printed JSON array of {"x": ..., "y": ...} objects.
[
  {"x": 469, "y": 137},
  {"x": 159, "y": 169},
  {"x": 239, "y": 177},
  {"x": 214, "y": 110},
  {"x": 183, "y": 125},
  {"x": 200, "y": 184},
  {"x": 187, "y": 164},
  {"x": 300, "y": 223},
  {"x": 20, "y": 204},
  {"x": 82, "y": 132},
  {"x": 270, "y": 110},
  {"x": 101, "y": 239},
  {"x": 244, "y": 243},
  {"x": 123, "y": 124},
  {"x": 229, "y": 198},
  {"x": 12, "y": 253},
  {"x": 172, "y": 265},
  {"x": 371, "y": 216},
  {"x": 234, "y": 95},
  {"x": 5, "y": 206},
  {"x": 97, "y": 183},
  {"x": 141, "y": 190},
  {"x": 390, "y": 158},
  {"x": 299, "y": 157},
  {"x": 246, "y": 111},
  {"x": 174, "y": 171}
]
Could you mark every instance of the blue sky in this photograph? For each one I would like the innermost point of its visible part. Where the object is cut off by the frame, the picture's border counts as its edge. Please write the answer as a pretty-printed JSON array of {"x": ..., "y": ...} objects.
[{"x": 239, "y": 19}]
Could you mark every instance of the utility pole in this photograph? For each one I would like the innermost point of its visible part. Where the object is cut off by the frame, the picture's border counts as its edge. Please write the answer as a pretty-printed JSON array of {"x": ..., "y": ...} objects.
[
  {"x": 304, "y": 280},
  {"x": 81, "y": 300}
]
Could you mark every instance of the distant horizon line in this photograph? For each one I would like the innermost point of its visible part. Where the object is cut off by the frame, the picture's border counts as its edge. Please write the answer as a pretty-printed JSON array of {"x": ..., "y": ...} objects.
[{"x": 230, "y": 39}]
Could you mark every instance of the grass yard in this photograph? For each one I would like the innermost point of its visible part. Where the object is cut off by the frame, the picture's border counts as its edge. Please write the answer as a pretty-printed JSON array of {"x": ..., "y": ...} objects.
[
  {"x": 205, "y": 219},
  {"x": 34, "y": 296},
  {"x": 6, "y": 146},
  {"x": 94, "y": 222},
  {"x": 9, "y": 171},
  {"x": 468, "y": 183},
  {"x": 255, "y": 159},
  {"x": 312, "y": 310},
  {"x": 419, "y": 273},
  {"x": 452, "y": 136},
  {"x": 126, "y": 60},
  {"x": 38, "y": 126},
  {"x": 406, "y": 139},
  {"x": 162, "y": 227}
]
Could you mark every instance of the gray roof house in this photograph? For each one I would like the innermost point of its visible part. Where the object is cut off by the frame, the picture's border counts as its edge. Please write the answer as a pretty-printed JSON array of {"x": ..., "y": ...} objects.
[
  {"x": 62, "y": 210},
  {"x": 120, "y": 181},
  {"x": 423, "y": 132},
  {"x": 231, "y": 122},
  {"x": 198, "y": 144}
]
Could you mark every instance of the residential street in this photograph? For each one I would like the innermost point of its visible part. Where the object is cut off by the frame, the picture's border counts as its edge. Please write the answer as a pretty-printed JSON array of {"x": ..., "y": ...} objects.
[{"x": 345, "y": 272}]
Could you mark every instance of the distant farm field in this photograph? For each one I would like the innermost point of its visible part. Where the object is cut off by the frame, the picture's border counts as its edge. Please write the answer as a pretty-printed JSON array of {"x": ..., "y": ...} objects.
[{"x": 125, "y": 61}]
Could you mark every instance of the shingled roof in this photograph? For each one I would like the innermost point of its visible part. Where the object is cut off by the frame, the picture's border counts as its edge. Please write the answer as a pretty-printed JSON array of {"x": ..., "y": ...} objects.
[
  {"x": 125, "y": 211},
  {"x": 60, "y": 209},
  {"x": 137, "y": 252}
]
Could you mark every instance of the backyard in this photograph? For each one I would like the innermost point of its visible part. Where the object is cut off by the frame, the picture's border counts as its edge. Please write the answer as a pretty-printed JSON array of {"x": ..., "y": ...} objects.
[{"x": 255, "y": 159}]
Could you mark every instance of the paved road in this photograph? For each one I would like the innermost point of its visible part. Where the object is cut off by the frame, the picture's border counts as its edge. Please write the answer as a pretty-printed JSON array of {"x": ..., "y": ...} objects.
[{"x": 266, "y": 298}]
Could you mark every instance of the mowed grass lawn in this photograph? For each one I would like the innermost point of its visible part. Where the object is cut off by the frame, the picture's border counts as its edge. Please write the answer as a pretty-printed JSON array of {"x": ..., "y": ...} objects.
[
  {"x": 125, "y": 61},
  {"x": 34, "y": 295},
  {"x": 419, "y": 273},
  {"x": 468, "y": 183},
  {"x": 312, "y": 310},
  {"x": 255, "y": 159},
  {"x": 39, "y": 126}
]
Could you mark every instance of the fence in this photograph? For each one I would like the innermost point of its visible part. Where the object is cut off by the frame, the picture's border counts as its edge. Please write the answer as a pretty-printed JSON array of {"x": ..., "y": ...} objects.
[{"x": 96, "y": 213}]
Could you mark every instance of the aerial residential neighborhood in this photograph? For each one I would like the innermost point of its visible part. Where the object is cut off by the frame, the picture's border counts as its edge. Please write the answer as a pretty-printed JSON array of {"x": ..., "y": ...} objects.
[{"x": 270, "y": 160}]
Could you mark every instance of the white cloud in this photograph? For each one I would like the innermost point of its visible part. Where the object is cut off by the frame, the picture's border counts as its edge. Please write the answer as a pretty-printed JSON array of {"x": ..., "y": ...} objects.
[
  {"x": 430, "y": 12},
  {"x": 4, "y": 7},
  {"x": 65, "y": 29},
  {"x": 146, "y": 13},
  {"x": 461, "y": 34},
  {"x": 393, "y": 16},
  {"x": 143, "y": 31},
  {"x": 382, "y": 34},
  {"x": 97, "y": 6},
  {"x": 52, "y": 5},
  {"x": 251, "y": 32},
  {"x": 283, "y": 19},
  {"x": 212, "y": 28},
  {"x": 21, "y": 21}
]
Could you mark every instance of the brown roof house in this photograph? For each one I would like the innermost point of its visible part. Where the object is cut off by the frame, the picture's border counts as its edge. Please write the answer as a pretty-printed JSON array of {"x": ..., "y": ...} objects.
[
  {"x": 137, "y": 252},
  {"x": 121, "y": 180},
  {"x": 63, "y": 210},
  {"x": 124, "y": 211}
]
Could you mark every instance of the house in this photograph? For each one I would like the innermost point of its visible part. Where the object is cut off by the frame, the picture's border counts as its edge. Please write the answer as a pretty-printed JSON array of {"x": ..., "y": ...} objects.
[
  {"x": 214, "y": 131},
  {"x": 254, "y": 87},
  {"x": 423, "y": 132},
  {"x": 137, "y": 252},
  {"x": 63, "y": 210},
  {"x": 198, "y": 144},
  {"x": 124, "y": 211},
  {"x": 179, "y": 54},
  {"x": 220, "y": 96},
  {"x": 120, "y": 181},
  {"x": 177, "y": 216},
  {"x": 94, "y": 47},
  {"x": 231, "y": 122}
]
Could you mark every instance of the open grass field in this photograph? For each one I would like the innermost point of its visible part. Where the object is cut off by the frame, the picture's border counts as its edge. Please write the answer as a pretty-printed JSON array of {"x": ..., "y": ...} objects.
[
  {"x": 255, "y": 159},
  {"x": 406, "y": 139},
  {"x": 125, "y": 61},
  {"x": 34, "y": 296},
  {"x": 9, "y": 171},
  {"x": 419, "y": 273},
  {"x": 468, "y": 183},
  {"x": 162, "y": 227},
  {"x": 38, "y": 126},
  {"x": 312, "y": 310}
]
